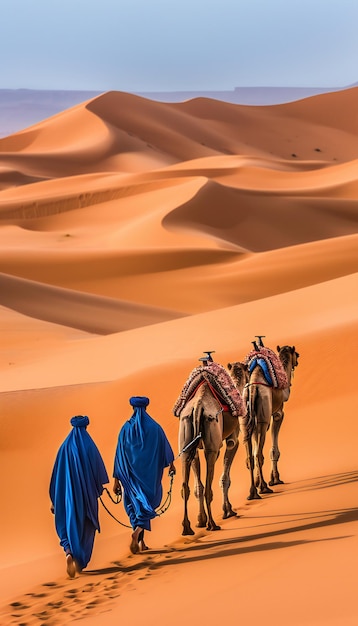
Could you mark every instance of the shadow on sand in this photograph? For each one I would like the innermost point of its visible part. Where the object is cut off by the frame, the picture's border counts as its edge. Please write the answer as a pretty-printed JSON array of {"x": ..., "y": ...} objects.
[{"x": 196, "y": 550}]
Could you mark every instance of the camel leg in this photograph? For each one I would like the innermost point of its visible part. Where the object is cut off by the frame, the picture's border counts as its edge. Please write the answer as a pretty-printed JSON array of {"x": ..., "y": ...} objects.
[
  {"x": 185, "y": 493},
  {"x": 211, "y": 457},
  {"x": 253, "y": 495},
  {"x": 199, "y": 492},
  {"x": 225, "y": 480},
  {"x": 259, "y": 458},
  {"x": 277, "y": 419}
]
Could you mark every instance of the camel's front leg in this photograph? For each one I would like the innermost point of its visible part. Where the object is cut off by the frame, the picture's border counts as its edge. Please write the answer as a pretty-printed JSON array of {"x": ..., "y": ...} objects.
[
  {"x": 232, "y": 444},
  {"x": 277, "y": 419},
  {"x": 211, "y": 457},
  {"x": 199, "y": 492}
]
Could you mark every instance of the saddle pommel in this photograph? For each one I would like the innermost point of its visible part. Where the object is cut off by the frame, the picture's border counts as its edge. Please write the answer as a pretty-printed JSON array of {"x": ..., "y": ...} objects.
[{"x": 208, "y": 357}]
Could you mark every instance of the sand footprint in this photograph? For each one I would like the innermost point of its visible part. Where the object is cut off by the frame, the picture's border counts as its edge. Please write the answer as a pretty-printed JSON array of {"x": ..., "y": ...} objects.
[
  {"x": 55, "y": 604},
  {"x": 43, "y": 615}
]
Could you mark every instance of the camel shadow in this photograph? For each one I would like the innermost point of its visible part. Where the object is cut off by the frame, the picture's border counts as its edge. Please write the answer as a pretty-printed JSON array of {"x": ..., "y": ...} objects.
[
  {"x": 218, "y": 554},
  {"x": 323, "y": 520},
  {"x": 238, "y": 545},
  {"x": 320, "y": 482},
  {"x": 303, "y": 521}
]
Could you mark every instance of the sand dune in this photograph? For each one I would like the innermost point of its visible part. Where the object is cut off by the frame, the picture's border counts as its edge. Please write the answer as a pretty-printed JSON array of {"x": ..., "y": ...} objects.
[
  {"x": 123, "y": 132},
  {"x": 86, "y": 312},
  {"x": 134, "y": 235}
]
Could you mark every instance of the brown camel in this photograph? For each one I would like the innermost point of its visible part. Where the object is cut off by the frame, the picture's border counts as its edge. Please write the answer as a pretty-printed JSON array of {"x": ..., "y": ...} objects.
[
  {"x": 265, "y": 406},
  {"x": 205, "y": 423}
]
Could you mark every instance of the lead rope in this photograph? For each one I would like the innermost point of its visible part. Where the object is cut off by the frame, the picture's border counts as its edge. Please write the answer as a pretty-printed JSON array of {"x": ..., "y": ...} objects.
[
  {"x": 163, "y": 507},
  {"x": 167, "y": 502},
  {"x": 119, "y": 499}
]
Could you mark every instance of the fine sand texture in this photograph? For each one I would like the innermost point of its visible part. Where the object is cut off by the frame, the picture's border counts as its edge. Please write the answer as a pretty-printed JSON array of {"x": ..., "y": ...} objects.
[{"x": 134, "y": 235}]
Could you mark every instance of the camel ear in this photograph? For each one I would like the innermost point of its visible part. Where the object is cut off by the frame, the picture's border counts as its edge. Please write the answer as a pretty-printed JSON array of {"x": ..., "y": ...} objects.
[
  {"x": 229, "y": 366},
  {"x": 278, "y": 348},
  {"x": 293, "y": 349}
]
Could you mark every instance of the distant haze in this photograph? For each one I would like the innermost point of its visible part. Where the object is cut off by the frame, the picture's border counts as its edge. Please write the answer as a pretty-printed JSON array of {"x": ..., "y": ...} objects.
[{"x": 187, "y": 45}]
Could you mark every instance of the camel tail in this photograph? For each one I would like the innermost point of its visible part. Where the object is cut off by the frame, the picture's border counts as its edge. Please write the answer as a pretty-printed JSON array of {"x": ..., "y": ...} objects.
[
  {"x": 196, "y": 421},
  {"x": 251, "y": 410}
]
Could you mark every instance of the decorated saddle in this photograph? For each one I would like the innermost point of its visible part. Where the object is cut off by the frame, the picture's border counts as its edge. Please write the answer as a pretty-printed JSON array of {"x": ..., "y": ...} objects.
[
  {"x": 221, "y": 384},
  {"x": 271, "y": 366}
]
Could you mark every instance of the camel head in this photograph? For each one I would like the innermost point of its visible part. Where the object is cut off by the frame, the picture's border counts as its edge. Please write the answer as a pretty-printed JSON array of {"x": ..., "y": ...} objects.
[
  {"x": 288, "y": 353},
  {"x": 239, "y": 372}
]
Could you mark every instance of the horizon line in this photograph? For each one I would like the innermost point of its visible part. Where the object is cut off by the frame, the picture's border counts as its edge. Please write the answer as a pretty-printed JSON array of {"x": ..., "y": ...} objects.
[{"x": 181, "y": 90}]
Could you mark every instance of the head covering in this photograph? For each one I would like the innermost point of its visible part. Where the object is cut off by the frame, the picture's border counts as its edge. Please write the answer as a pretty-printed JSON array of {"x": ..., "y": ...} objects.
[
  {"x": 143, "y": 451},
  {"x": 79, "y": 421},
  {"x": 139, "y": 401},
  {"x": 76, "y": 483}
]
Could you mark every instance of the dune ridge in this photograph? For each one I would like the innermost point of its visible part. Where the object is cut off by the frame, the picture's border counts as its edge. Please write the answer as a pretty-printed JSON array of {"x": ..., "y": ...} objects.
[
  {"x": 118, "y": 125},
  {"x": 134, "y": 235}
]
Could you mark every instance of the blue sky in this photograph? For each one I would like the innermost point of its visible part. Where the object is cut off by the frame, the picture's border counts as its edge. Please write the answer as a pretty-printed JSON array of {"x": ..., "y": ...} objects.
[{"x": 157, "y": 45}]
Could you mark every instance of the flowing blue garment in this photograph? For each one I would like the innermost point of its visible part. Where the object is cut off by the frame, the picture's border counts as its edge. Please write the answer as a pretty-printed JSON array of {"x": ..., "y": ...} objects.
[
  {"x": 76, "y": 483},
  {"x": 143, "y": 451}
]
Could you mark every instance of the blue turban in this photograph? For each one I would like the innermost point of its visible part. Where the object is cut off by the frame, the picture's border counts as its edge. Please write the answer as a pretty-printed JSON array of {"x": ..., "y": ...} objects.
[{"x": 79, "y": 421}]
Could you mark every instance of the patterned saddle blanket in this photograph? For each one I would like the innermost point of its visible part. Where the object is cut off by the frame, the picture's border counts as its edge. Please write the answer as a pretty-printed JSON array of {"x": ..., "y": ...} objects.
[
  {"x": 271, "y": 366},
  {"x": 220, "y": 380}
]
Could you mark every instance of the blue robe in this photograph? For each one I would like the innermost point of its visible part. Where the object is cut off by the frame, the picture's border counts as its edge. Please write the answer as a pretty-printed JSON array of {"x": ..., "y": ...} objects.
[
  {"x": 143, "y": 451},
  {"x": 76, "y": 484}
]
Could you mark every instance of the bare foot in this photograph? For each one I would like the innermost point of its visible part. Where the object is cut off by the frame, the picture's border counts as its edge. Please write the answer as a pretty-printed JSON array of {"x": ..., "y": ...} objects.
[
  {"x": 134, "y": 546},
  {"x": 141, "y": 541},
  {"x": 70, "y": 566},
  {"x": 143, "y": 546}
]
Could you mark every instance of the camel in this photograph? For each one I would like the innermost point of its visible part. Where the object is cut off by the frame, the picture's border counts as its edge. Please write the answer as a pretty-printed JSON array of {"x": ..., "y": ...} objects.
[
  {"x": 265, "y": 405},
  {"x": 205, "y": 423}
]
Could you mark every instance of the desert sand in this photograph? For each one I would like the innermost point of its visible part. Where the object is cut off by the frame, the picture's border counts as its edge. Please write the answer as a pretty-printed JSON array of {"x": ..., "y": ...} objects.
[{"x": 134, "y": 235}]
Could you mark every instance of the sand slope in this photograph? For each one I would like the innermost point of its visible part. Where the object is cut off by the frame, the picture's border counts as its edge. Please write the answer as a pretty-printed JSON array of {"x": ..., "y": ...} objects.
[{"x": 134, "y": 235}]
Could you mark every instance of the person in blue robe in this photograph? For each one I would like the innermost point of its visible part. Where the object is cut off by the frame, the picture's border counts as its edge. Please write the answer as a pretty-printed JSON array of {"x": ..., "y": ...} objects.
[
  {"x": 76, "y": 484},
  {"x": 143, "y": 451}
]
